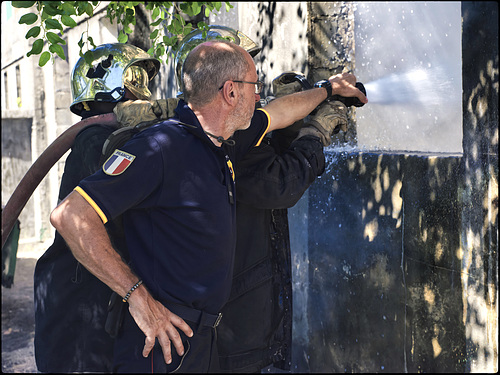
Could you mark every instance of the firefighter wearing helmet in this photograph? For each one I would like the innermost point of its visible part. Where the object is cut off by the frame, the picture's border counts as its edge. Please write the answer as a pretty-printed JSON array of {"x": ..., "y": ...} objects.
[
  {"x": 71, "y": 305},
  {"x": 115, "y": 67}
]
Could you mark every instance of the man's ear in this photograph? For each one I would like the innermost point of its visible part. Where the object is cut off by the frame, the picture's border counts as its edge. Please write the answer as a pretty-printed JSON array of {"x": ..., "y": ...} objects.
[{"x": 229, "y": 93}]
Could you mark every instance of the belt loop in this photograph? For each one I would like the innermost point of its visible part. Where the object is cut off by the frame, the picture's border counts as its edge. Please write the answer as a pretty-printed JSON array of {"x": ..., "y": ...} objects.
[{"x": 201, "y": 321}]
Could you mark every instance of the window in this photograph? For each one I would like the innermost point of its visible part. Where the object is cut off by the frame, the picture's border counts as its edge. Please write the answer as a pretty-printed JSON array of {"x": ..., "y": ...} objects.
[
  {"x": 18, "y": 84},
  {"x": 6, "y": 90}
]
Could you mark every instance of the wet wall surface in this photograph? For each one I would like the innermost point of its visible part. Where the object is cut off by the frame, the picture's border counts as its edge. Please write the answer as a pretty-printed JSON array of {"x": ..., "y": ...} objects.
[
  {"x": 395, "y": 256},
  {"x": 384, "y": 277}
]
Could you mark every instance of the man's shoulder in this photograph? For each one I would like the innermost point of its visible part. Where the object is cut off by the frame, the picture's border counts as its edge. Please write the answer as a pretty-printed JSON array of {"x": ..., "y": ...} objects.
[
  {"x": 94, "y": 130},
  {"x": 167, "y": 128}
]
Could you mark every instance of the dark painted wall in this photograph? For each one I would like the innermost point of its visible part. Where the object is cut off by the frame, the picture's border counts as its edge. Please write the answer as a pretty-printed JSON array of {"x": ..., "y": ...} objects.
[
  {"x": 385, "y": 291},
  {"x": 402, "y": 250}
]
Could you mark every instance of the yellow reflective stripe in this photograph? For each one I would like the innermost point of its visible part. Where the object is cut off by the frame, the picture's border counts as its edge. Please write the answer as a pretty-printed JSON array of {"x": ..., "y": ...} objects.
[
  {"x": 85, "y": 196},
  {"x": 268, "y": 125},
  {"x": 230, "y": 166}
]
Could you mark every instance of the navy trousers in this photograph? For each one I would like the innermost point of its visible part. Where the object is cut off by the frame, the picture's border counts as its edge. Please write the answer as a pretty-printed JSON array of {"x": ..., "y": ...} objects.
[{"x": 200, "y": 351}]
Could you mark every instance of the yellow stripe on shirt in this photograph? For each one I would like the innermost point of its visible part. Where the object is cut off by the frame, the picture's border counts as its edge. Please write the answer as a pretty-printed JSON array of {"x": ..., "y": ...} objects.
[
  {"x": 85, "y": 196},
  {"x": 268, "y": 125}
]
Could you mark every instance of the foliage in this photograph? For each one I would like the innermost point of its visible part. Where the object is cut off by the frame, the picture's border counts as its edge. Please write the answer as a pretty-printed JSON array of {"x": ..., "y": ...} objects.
[{"x": 168, "y": 26}]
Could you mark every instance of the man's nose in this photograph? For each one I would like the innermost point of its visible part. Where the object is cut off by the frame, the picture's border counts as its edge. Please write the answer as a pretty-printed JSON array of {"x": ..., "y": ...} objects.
[{"x": 257, "y": 97}]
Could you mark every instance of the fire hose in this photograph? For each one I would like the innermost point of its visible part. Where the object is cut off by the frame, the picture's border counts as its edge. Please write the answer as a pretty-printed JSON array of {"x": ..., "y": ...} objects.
[{"x": 41, "y": 167}]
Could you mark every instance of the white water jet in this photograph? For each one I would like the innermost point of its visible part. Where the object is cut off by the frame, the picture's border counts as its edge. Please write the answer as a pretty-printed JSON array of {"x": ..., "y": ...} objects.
[
  {"x": 418, "y": 86},
  {"x": 409, "y": 57}
]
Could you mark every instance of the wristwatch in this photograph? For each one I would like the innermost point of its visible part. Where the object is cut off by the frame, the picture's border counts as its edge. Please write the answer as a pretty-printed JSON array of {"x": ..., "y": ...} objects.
[{"x": 326, "y": 84}]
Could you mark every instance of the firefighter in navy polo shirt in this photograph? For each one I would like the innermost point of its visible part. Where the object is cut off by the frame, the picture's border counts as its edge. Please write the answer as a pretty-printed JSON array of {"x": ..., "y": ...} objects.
[{"x": 176, "y": 195}]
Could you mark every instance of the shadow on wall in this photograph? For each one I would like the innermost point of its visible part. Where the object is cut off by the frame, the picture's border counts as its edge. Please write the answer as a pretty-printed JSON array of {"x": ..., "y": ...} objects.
[
  {"x": 385, "y": 291},
  {"x": 273, "y": 36},
  {"x": 402, "y": 249},
  {"x": 479, "y": 185}
]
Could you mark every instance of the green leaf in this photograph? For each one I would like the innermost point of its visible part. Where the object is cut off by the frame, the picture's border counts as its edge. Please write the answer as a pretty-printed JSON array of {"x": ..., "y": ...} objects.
[
  {"x": 127, "y": 29},
  {"x": 44, "y": 58},
  {"x": 207, "y": 12},
  {"x": 156, "y": 13},
  {"x": 196, "y": 8},
  {"x": 54, "y": 38},
  {"x": 81, "y": 8},
  {"x": 68, "y": 21},
  {"x": 122, "y": 38},
  {"x": 89, "y": 10},
  {"x": 89, "y": 57},
  {"x": 23, "y": 4},
  {"x": 91, "y": 41},
  {"x": 53, "y": 24},
  {"x": 187, "y": 29},
  {"x": 202, "y": 25},
  {"x": 28, "y": 19},
  {"x": 51, "y": 9},
  {"x": 56, "y": 48},
  {"x": 156, "y": 23},
  {"x": 154, "y": 34},
  {"x": 80, "y": 42},
  {"x": 36, "y": 48},
  {"x": 68, "y": 8},
  {"x": 228, "y": 6},
  {"x": 33, "y": 32},
  {"x": 169, "y": 41}
]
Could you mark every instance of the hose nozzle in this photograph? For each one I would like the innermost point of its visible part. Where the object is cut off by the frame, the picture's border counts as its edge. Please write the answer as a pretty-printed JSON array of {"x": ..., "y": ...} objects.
[{"x": 351, "y": 101}]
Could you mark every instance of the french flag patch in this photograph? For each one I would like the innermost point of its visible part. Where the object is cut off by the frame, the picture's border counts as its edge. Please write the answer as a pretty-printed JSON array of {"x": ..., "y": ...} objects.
[{"x": 117, "y": 163}]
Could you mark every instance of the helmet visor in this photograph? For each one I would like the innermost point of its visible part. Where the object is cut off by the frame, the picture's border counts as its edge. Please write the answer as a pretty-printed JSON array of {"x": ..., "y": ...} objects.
[{"x": 136, "y": 80}]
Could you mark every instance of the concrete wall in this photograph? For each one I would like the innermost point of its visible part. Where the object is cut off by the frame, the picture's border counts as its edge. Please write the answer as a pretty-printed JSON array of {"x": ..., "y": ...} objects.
[{"x": 384, "y": 290}]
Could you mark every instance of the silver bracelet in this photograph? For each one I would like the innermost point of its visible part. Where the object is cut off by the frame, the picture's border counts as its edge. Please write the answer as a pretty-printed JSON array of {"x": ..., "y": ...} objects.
[{"x": 131, "y": 290}]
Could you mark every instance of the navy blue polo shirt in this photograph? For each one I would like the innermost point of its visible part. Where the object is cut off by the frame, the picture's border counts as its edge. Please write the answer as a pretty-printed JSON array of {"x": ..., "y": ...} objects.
[{"x": 173, "y": 185}]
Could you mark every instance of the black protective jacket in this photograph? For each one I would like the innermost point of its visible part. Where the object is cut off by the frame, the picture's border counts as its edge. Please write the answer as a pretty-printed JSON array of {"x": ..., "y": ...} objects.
[
  {"x": 256, "y": 327},
  {"x": 71, "y": 303}
]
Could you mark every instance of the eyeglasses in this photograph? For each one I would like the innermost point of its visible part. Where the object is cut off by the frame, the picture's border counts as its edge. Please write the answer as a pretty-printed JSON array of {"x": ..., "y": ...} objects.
[{"x": 258, "y": 85}]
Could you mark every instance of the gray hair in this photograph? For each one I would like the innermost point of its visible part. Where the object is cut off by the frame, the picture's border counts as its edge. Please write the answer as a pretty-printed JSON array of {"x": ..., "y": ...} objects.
[{"x": 207, "y": 68}]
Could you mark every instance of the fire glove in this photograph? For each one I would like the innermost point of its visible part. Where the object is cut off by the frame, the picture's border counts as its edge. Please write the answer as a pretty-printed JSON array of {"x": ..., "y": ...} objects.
[
  {"x": 282, "y": 86},
  {"x": 328, "y": 120},
  {"x": 133, "y": 112}
]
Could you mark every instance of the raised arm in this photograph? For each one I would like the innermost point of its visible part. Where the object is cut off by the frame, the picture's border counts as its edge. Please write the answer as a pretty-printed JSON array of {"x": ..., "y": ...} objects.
[
  {"x": 81, "y": 227},
  {"x": 286, "y": 110}
]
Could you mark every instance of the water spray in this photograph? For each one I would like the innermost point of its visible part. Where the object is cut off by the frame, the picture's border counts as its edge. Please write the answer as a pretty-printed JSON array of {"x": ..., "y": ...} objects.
[{"x": 417, "y": 86}]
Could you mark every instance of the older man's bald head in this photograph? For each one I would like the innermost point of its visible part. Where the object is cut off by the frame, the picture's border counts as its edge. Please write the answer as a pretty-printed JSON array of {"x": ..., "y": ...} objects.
[{"x": 208, "y": 66}]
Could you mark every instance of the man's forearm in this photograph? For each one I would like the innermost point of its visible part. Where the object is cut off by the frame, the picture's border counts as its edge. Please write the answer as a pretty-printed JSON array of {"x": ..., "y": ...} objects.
[
  {"x": 288, "y": 109},
  {"x": 85, "y": 234},
  {"x": 87, "y": 238}
]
